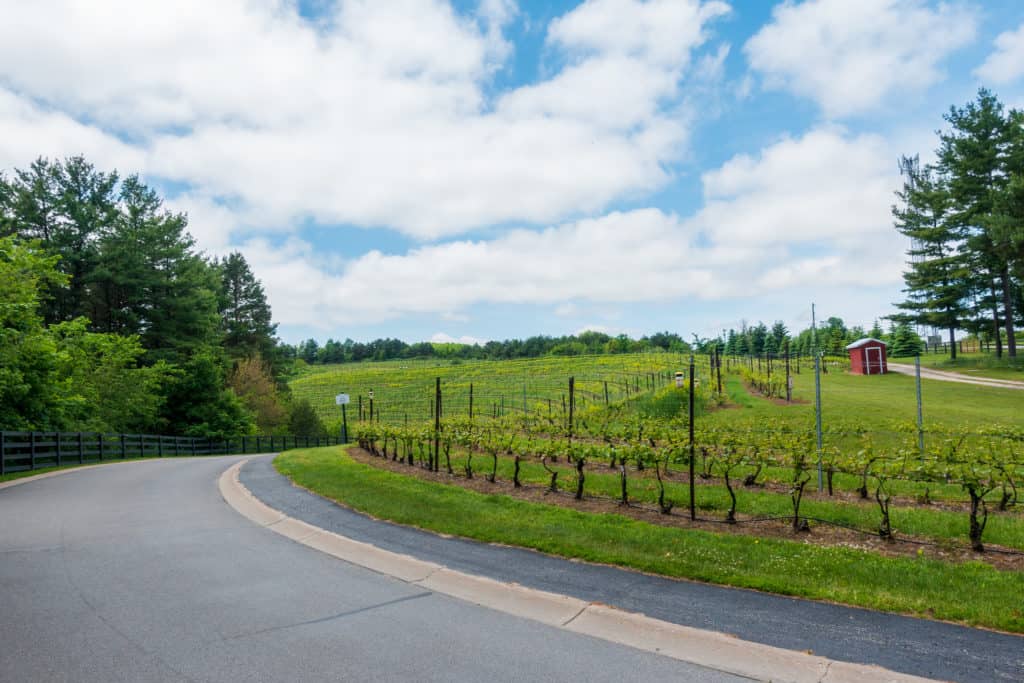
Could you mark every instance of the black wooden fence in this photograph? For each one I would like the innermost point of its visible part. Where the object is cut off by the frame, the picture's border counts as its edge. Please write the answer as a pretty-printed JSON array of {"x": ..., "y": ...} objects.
[{"x": 21, "y": 451}]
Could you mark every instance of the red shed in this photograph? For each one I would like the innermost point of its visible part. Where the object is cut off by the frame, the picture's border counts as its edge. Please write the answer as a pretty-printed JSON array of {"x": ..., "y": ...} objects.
[{"x": 867, "y": 357}]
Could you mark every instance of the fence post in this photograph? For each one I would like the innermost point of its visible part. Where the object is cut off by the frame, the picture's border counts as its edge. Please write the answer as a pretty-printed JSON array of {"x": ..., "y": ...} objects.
[
  {"x": 122, "y": 446},
  {"x": 100, "y": 438},
  {"x": 3, "y": 453},
  {"x": 920, "y": 417},
  {"x": 572, "y": 403},
  {"x": 59, "y": 454},
  {"x": 817, "y": 412},
  {"x": 160, "y": 446},
  {"x": 437, "y": 425},
  {"x": 693, "y": 457},
  {"x": 193, "y": 440}
]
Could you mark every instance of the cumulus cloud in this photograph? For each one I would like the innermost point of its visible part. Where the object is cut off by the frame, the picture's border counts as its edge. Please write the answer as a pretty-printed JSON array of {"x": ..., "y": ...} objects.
[
  {"x": 824, "y": 185},
  {"x": 374, "y": 115},
  {"x": 1006, "y": 63},
  {"x": 849, "y": 56},
  {"x": 808, "y": 212},
  {"x": 443, "y": 338}
]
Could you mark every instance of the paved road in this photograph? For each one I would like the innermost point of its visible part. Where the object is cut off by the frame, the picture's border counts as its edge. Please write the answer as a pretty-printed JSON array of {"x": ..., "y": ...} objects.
[
  {"x": 944, "y": 376},
  {"x": 140, "y": 572},
  {"x": 916, "y": 646}
]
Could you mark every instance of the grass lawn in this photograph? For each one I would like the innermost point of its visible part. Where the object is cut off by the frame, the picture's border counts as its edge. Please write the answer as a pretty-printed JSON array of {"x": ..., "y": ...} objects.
[
  {"x": 972, "y": 593},
  {"x": 973, "y": 364},
  {"x": 875, "y": 402}
]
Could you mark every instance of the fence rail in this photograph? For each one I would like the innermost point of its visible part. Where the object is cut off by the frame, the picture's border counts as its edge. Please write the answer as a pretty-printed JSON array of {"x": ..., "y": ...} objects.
[{"x": 24, "y": 451}]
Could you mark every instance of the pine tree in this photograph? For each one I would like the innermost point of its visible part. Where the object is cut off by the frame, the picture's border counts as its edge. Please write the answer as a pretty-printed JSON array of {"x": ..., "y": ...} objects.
[
  {"x": 974, "y": 157},
  {"x": 248, "y": 326},
  {"x": 937, "y": 275}
]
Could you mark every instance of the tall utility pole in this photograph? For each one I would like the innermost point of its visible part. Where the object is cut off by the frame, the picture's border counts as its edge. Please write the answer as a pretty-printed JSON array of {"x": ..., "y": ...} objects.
[{"x": 817, "y": 391}]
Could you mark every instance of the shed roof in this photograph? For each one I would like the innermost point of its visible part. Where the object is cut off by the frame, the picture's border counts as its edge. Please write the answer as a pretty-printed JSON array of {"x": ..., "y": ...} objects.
[{"x": 864, "y": 342}]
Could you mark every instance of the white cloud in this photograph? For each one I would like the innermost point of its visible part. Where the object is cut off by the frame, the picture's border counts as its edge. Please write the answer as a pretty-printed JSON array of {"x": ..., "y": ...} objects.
[
  {"x": 443, "y": 338},
  {"x": 661, "y": 31},
  {"x": 31, "y": 131},
  {"x": 376, "y": 115},
  {"x": 823, "y": 186},
  {"x": 809, "y": 212},
  {"x": 850, "y": 56},
  {"x": 1006, "y": 63}
]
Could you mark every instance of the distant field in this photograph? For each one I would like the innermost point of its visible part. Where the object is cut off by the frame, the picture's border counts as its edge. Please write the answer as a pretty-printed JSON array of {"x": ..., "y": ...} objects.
[
  {"x": 877, "y": 403},
  {"x": 406, "y": 388}
]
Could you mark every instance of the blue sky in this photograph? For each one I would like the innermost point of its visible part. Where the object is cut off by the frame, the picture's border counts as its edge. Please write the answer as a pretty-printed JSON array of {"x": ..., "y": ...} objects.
[{"x": 488, "y": 169}]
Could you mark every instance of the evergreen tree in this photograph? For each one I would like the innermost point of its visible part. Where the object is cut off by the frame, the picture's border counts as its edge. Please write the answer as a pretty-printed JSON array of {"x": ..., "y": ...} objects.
[
  {"x": 248, "y": 326},
  {"x": 303, "y": 420},
  {"x": 937, "y": 275},
  {"x": 905, "y": 341},
  {"x": 973, "y": 155},
  {"x": 67, "y": 206}
]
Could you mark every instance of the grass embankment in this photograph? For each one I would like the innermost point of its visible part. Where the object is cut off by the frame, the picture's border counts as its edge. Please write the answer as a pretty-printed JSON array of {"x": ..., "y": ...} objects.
[{"x": 972, "y": 592}]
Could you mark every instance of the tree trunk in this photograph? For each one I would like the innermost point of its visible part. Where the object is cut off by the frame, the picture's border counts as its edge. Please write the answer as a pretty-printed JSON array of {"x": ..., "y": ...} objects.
[
  {"x": 1008, "y": 317},
  {"x": 995, "y": 321},
  {"x": 977, "y": 527},
  {"x": 579, "y": 479},
  {"x": 952, "y": 342}
]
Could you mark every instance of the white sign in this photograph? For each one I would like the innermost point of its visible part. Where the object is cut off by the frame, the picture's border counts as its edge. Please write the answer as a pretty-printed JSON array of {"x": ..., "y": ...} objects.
[
  {"x": 371, "y": 393},
  {"x": 341, "y": 399}
]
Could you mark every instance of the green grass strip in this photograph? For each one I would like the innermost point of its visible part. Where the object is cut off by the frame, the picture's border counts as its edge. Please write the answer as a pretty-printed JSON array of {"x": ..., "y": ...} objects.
[{"x": 973, "y": 593}]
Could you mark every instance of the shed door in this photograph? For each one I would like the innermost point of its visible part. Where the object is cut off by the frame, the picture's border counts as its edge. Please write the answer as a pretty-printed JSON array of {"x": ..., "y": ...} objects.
[{"x": 873, "y": 357}]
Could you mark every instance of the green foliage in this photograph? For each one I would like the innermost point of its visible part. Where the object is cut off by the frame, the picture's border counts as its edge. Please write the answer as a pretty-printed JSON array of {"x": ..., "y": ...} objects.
[
  {"x": 303, "y": 420},
  {"x": 198, "y": 404},
  {"x": 29, "y": 397},
  {"x": 904, "y": 341},
  {"x": 102, "y": 387},
  {"x": 112, "y": 320},
  {"x": 248, "y": 327}
]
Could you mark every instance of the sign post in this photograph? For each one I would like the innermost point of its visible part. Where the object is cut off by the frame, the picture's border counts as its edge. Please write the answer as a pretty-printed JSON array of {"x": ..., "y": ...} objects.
[{"x": 343, "y": 400}]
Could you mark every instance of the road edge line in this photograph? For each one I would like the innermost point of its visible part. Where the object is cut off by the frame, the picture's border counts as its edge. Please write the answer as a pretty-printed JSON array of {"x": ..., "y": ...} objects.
[{"x": 710, "y": 649}]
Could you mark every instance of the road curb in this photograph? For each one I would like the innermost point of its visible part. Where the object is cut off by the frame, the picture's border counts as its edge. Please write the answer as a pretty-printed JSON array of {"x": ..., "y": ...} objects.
[{"x": 710, "y": 649}]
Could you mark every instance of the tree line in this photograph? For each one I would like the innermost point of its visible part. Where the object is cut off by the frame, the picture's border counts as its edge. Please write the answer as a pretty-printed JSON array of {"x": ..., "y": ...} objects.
[
  {"x": 964, "y": 214},
  {"x": 584, "y": 343},
  {"x": 112, "y": 320},
  {"x": 829, "y": 337}
]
